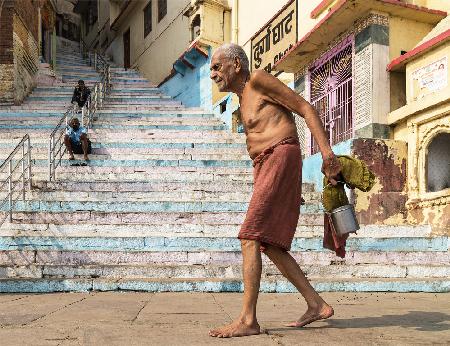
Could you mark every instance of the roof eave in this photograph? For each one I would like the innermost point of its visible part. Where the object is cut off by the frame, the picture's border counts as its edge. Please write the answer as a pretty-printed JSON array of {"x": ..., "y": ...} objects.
[
  {"x": 399, "y": 63},
  {"x": 337, "y": 20}
]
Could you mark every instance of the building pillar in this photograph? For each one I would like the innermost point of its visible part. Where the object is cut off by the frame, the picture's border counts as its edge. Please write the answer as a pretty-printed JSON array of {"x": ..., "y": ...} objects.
[{"x": 372, "y": 86}]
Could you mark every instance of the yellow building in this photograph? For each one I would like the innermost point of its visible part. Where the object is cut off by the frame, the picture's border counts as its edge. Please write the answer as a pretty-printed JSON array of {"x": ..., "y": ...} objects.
[
  {"x": 424, "y": 123},
  {"x": 357, "y": 62}
]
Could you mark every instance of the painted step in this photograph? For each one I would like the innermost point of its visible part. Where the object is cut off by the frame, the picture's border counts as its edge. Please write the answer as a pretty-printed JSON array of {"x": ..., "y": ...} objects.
[
  {"x": 123, "y": 186},
  {"x": 100, "y": 128},
  {"x": 179, "y": 271},
  {"x": 323, "y": 258},
  {"x": 112, "y": 134},
  {"x": 116, "y": 152},
  {"x": 128, "y": 206},
  {"x": 150, "y": 174},
  {"x": 112, "y": 218},
  {"x": 108, "y": 156},
  {"x": 168, "y": 242},
  {"x": 161, "y": 120},
  {"x": 27, "y": 114},
  {"x": 230, "y": 230},
  {"x": 218, "y": 285},
  {"x": 151, "y": 144},
  {"x": 154, "y": 136},
  {"x": 142, "y": 90},
  {"x": 149, "y": 196}
]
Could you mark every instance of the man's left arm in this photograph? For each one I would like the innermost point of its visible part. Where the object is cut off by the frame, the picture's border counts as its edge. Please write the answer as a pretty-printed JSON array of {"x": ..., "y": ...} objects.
[
  {"x": 277, "y": 92},
  {"x": 75, "y": 95}
]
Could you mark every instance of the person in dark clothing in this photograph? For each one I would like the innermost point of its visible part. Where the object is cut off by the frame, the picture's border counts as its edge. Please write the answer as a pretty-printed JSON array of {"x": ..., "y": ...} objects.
[{"x": 81, "y": 94}]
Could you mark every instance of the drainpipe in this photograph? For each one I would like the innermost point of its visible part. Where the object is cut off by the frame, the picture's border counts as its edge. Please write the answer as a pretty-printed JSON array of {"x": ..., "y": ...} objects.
[
  {"x": 54, "y": 49},
  {"x": 234, "y": 37},
  {"x": 39, "y": 34}
]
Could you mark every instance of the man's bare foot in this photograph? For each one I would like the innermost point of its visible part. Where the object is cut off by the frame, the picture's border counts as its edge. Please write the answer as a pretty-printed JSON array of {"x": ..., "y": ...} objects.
[
  {"x": 312, "y": 315},
  {"x": 235, "y": 329},
  {"x": 71, "y": 157},
  {"x": 86, "y": 158}
]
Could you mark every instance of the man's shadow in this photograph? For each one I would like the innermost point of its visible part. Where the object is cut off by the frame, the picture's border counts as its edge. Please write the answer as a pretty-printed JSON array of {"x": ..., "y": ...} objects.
[{"x": 423, "y": 321}]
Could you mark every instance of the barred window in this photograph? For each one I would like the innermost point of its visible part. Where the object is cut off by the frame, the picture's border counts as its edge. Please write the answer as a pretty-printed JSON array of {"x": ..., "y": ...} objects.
[
  {"x": 148, "y": 19},
  {"x": 331, "y": 90},
  {"x": 162, "y": 9}
]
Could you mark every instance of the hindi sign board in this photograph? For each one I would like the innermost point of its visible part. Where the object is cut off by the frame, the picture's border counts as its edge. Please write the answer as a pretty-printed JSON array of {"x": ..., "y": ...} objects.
[
  {"x": 274, "y": 40},
  {"x": 430, "y": 78}
]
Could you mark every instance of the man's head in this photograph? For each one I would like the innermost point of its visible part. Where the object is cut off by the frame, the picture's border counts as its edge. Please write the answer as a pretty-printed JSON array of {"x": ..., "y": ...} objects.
[
  {"x": 228, "y": 64},
  {"x": 75, "y": 124},
  {"x": 81, "y": 83}
]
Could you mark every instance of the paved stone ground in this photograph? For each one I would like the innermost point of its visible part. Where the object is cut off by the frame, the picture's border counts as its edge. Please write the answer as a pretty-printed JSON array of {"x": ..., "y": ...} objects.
[{"x": 184, "y": 319}]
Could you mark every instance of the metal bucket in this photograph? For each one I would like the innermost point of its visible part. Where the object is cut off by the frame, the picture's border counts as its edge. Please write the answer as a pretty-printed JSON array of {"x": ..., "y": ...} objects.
[{"x": 344, "y": 219}]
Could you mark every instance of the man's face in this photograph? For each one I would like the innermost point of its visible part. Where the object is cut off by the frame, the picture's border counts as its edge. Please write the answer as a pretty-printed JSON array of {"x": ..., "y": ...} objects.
[
  {"x": 223, "y": 71},
  {"x": 81, "y": 86},
  {"x": 75, "y": 124}
]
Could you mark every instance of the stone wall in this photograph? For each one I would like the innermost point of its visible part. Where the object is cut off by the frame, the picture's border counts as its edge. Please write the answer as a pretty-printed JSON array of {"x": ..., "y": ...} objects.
[
  {"x": 6, "y": 53},
  {"x": 385, "y": 202},
  {"x": 26, "y": 59},
  {"x": 19, "y": 54}
]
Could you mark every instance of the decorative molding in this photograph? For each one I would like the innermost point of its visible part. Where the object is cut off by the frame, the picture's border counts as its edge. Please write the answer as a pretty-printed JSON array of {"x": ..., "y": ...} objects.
[
  {"x": 430, "y": 133},
  {"x": 432, "y": 201}
]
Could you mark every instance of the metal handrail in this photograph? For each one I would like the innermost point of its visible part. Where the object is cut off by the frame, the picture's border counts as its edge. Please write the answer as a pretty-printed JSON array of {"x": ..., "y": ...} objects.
[
  {"x": 24, "y": 179},
  {"x": 56, "y": 147}
]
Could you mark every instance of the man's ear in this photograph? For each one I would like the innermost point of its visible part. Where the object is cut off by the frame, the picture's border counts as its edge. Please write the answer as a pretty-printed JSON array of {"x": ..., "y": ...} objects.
[{"x": 237, "y": 64}]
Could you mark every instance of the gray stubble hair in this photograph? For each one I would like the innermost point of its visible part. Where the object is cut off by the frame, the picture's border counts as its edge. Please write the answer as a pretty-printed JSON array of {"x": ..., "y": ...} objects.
[{"x": 232, "y": 50}]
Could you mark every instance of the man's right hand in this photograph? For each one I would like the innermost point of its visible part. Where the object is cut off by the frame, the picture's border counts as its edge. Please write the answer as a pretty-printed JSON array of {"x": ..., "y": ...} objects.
[{"x": 331, "y": 168}]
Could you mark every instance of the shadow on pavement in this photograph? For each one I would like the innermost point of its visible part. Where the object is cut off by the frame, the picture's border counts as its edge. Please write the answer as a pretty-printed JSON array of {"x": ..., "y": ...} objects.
[{"x": 424, "y": 321}]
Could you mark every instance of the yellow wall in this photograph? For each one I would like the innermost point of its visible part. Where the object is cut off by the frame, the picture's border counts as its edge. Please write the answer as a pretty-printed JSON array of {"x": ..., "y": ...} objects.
[
  {"x": 432, "y": 56},
  {"x": 421, "y": 119},
  {"x": 154, "y": 54},
  {"x": 442, "y": 5},
  {"x": 405, "y": 34}
]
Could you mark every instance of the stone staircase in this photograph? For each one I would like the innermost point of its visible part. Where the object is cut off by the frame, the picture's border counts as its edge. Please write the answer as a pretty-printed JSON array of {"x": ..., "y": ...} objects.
[{"x": 159, "y": 206}]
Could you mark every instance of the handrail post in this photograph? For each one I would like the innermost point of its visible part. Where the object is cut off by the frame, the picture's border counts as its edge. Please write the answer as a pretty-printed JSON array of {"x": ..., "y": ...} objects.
[
  {"x": 100, "y": 94},
  {"x": 83, "y": 109},
  {"x": 10, "y": 190},
  {"x": 50, "y": 160},
  {"x": 29, "y": 163},
  {"x": 95, "y": 61},
  {"x": 52, "y": 156},
  {"x": 23, "y": 171}
]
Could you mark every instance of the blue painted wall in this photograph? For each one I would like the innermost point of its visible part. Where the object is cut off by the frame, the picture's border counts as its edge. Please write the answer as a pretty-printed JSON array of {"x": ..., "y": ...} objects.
[
  {"x": 191, "y": 86},
  {"x": 226, "y": 116},
  {"x": 313, "y": 164}
]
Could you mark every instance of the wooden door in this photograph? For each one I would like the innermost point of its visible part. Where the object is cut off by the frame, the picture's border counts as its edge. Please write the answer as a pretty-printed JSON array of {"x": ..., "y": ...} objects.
[{"x": 126, "y": 49}]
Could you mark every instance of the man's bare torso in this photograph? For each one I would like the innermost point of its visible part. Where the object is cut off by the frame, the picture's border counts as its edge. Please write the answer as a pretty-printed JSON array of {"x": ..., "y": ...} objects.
[{"x": 265, "y": 122}]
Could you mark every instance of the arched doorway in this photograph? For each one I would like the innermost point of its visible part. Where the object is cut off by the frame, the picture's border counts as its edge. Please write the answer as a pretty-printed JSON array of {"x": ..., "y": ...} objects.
[{"x": 438, "y": 163}]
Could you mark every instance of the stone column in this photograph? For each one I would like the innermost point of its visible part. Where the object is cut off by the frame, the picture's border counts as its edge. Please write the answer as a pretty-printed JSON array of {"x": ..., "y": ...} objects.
[{"x": 371, "y": 90}]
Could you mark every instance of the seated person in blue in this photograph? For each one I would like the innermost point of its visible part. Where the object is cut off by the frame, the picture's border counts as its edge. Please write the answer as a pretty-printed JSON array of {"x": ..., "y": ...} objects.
[
  {"x": 81, "y": 94},
  {"x": 76, "y": 140}
]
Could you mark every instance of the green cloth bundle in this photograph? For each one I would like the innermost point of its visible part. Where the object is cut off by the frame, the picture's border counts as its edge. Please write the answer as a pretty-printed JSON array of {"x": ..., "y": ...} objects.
[{"x": 355, "y": 175}]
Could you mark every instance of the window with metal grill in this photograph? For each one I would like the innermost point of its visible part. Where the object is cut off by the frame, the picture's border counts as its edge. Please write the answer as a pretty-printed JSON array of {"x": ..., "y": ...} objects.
[
  {"x": 162, "y": 9},
  {"x": 148, "y": 19},
  {"x": 331, "y": 92}
]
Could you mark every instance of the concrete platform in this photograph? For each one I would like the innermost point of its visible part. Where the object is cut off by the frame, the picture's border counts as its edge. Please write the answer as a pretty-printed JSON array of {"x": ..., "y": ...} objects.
[{"x": 185, "y": 318}]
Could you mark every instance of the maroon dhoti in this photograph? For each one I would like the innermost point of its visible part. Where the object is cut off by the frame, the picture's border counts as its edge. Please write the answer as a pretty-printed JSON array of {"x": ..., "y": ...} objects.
[{"x": 274, "y": 208}]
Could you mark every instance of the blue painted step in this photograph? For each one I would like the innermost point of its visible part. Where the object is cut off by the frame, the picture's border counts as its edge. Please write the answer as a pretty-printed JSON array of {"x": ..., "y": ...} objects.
[{"x": 179, "y": 243}]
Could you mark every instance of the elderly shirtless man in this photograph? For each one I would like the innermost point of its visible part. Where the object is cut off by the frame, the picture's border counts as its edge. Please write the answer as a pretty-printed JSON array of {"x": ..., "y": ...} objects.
[{"x": 272, "y": 142}]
